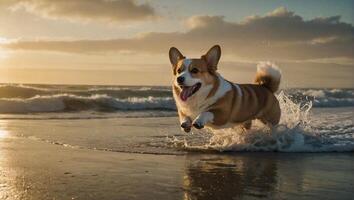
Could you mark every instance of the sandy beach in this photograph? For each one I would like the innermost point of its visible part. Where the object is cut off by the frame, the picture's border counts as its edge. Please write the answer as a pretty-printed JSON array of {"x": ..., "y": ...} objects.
[{"x": 35, "y": 165}]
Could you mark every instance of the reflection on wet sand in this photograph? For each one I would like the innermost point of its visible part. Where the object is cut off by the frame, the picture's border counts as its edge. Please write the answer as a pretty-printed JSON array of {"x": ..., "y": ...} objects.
[
  {"x": 268, "y": 176},
  {"x": 229, "y": 177},
  {"x": 6, "y": 184}
]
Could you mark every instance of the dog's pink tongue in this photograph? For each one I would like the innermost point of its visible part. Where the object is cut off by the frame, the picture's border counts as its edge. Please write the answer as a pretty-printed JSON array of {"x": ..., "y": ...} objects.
[{"x": 185, "y": 94}]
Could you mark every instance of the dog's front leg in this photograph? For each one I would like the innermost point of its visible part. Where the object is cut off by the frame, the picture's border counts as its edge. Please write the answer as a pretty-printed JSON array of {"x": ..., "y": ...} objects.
[
  {"x": 186, "y": 122},
  {"x": 202, "y": 119}
]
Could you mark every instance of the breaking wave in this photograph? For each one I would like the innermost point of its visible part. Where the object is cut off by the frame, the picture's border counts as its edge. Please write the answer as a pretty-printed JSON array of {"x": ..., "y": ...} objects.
[
  {"x": 324, "y": 97},
  {"x": 69, "y": 102},
  {"x": 18, "y": 98}
]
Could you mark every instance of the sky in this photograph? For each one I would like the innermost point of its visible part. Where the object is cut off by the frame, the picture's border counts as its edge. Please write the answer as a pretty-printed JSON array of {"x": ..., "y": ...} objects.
[{"x": 126, "y": 42}]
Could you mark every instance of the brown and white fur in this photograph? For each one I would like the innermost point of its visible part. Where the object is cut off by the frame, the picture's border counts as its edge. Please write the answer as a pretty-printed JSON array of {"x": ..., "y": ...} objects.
[{"x": 204, "y": 98}]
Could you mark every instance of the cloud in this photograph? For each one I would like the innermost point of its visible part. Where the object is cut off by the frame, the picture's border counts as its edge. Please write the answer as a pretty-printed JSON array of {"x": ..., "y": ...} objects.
[
  {"x": 85, "y": 10},
  {"x": 278, "y": 35}
]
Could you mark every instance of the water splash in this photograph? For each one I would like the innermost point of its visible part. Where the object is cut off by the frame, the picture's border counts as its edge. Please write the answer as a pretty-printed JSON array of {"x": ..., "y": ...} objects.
[{"x": 294, "y": 133}]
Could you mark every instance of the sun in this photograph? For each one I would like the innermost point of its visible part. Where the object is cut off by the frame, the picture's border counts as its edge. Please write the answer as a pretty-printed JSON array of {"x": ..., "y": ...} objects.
[
  {"x": 3, "y": 40},
  {"x": 3, "y": 53}
]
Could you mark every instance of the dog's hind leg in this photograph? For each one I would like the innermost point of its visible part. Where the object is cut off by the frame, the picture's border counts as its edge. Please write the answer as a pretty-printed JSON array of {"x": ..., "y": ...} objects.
[
  {"x": 247, "y": 124},
  {"x": 267, "y": 124},
  {"x": 271, "y": 117}
]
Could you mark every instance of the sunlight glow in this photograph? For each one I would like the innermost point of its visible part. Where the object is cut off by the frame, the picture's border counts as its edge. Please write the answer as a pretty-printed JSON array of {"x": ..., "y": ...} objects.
[
  {"x": 3, "y": 53},
  {"x": 3, "y": 133},
  {"x": 3, "y": 40}
]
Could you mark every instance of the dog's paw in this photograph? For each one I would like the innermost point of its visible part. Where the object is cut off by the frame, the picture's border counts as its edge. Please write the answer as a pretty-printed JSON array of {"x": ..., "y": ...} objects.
[
  {"x": 187, "y": 130},
  {"x": 198, "y": 125},
  {"x": 186, "y": 126}
]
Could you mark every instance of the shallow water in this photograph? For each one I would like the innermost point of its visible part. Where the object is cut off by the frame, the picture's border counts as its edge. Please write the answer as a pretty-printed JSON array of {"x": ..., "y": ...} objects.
[{"x": 331, "y": 130}]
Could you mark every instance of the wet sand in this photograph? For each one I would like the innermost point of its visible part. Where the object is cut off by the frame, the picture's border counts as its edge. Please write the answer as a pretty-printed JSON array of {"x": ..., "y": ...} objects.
[{"x": 35, "y": 169}]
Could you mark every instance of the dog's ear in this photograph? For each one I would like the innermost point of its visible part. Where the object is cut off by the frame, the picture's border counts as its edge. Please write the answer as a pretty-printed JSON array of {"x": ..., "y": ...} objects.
[
  {"x": 212, "y": 57},
  {"x": 175, "y": 56}
]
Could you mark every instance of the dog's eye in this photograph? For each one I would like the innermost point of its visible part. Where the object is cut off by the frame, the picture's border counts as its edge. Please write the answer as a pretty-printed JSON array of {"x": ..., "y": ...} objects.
[
  {"x": 179, "y": 70},
  {"x": 194, "y": 70}
]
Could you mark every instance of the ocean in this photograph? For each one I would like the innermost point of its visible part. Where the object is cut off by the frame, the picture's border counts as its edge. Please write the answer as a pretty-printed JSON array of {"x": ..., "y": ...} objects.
[
  {"x": 120, "y": 142},
  {"x": 313, "y": 120}
]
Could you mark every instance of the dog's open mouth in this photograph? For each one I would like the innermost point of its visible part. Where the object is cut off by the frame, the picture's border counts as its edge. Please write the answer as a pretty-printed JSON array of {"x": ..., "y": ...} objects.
[{"x": 188, "y": 91}]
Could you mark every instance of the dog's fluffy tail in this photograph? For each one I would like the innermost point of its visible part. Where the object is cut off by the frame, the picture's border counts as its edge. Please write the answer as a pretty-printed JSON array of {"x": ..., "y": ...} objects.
[{"x": 268, "y": 75}]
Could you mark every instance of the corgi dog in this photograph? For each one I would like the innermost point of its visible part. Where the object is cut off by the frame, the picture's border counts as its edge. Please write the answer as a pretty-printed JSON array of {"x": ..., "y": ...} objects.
[{"x": 205, "y": 99}]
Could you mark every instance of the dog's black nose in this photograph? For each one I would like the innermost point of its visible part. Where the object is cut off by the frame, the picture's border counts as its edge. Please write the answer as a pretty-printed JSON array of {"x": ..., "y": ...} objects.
[{"x": 180, "y": 80}]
